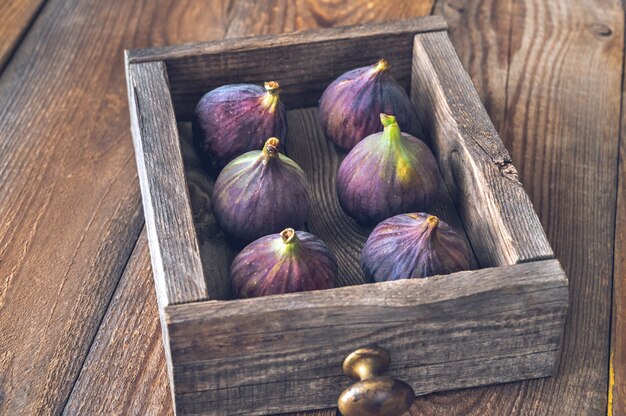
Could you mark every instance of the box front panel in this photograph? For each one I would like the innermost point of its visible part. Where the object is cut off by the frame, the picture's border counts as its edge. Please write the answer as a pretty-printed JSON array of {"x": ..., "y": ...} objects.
[{"x": 284, "y": 353}]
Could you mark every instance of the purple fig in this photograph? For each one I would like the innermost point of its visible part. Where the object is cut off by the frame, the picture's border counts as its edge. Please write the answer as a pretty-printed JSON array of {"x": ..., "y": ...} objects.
[
  {"x": 413, "y": 245},
  {"x": 234, "y": 119},
  {"x": 260, "y": 193},
  {"x": 386, "y": 174},
  {"x": 350, "y": 106},
  {"x": 292, "y": 261}
]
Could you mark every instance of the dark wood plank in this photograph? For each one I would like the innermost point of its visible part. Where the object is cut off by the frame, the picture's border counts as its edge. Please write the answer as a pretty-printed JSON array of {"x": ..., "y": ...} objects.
[
  {"x": 320, "y": 159},
  {"x": 70, "y": 204},
  {"x": 617, "y": 368},
  {"x": 16, "y": 17},
  {"x": 197, "y": 68},
  {"x": 499, "y": 219},
  {"x": 178, "y": 271},
  {"x": 467, "y": 328},
  {"x": 125, "y": 372},
  {"x": 560, "y": 123}
]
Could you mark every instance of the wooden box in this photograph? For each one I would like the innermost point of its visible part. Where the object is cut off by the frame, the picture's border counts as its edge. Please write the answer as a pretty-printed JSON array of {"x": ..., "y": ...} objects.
[{"x": 501, "y": 322}]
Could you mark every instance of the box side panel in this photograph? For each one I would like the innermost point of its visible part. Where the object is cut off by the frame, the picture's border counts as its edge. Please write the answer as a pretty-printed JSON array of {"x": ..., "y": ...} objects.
[
  {"x": 284, "y": 353},
  {"x": 173, "y": 245},
  {"x": 303, "y": 63},
  {"x": 497, "y": 214}
]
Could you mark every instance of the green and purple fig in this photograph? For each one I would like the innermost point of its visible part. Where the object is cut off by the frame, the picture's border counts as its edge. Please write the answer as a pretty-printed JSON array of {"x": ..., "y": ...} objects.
[
  {"x": 260, "y": 193},
  {"x": 350, "y": 106},
  {"x": 386, "y": 174},
  {"x": 234, "y": 119},
  {"x": 412, "y": 246},
  {"x": 292, "y": 261}
]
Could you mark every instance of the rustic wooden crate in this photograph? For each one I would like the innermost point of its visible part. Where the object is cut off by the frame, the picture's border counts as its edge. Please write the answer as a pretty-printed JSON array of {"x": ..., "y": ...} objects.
[{"x": 501, "y": 322}]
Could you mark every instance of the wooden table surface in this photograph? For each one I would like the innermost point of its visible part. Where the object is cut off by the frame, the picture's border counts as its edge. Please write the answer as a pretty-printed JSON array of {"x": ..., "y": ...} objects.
[{"x": 79, "y": 332}]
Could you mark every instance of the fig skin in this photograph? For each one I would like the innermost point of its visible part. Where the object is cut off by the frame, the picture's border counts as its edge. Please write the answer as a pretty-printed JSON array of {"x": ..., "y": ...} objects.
[
  {"x": 411, "y": 246},
  {"x": 349, "y": 107},
  {"x": 292, "y": 261},
  {"x": 260, "y": 193},
  {"x": 234, "y": 119},
  {"x": 386, "y": 174}
]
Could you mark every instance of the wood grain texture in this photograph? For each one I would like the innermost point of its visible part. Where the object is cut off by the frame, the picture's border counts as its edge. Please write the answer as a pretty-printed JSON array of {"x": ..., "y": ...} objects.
[
  {"x": 320, "y": 160},
  {"x": 478, "y": 30},
  {"x": 560, "y": 124},
  {"x": 617, "y": 367},
  {"x": 125, "y": 372},
  {"x": 178, "y": 271},
  {"x": 197, "y": 68},
  {"x": 499, "y": 219},
  {"x": 69, "y": 200},
  {"x": 16, "y": 17},
  {"x": 216, "y": 252},
  {"x": 467, "y": 328},
  {"x": 251, "y": 17}
]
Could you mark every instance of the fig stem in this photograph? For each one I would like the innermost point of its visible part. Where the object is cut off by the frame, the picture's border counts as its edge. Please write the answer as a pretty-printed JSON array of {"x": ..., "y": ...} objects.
[
  {"x": 290, "y": 243},
  {"x": 391, "y": 130},
  {"x": 272, "y": 87},
  {"x": 382, "y": 65},
  {"x": 270, "y": 98},
  {"x": 270, "y": 149},
  {"x": 289, "y": 236},
  {"x": 432, "y": 221},
  {"x": 387, "y": 120}
]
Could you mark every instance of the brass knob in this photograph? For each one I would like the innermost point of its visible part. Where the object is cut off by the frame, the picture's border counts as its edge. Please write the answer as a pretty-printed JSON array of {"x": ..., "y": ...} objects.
[{"x": 373, "y": 394}]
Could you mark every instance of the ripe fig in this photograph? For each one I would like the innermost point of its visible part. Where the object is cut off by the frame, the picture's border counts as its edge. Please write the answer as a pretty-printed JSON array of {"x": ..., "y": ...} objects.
[
  {"x": 350, "y": 106},
  {"x": 234, "y": 119},
  {"x": 413, "y": 245},
  {"x": 259, "y": 193},
  {"x": 292, "y": 261},
  {"x": 386, "y": 174}
]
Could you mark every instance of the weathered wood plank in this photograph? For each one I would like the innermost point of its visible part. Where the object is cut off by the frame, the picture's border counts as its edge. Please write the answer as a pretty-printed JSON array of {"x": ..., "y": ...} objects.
[
  {"x": 617, "y": 366},
  {"x": 125, "y": 372},
  {"x": 560, "y": 124},
  {"x": 69, "y": 200},
  {"x": 468, "y": 328},
  {"x": 16, "y": 17},
  {"x": 215, "y": 251},
  {"x": 499, "y": 219},
  {"x": 195, "y": 69},
  {"x": 178, "y": 271}
]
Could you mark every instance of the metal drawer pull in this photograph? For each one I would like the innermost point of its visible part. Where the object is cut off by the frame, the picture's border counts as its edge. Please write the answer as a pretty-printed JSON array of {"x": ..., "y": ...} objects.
[{"x": 373, "y": 394}]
